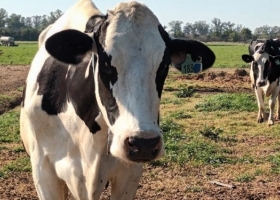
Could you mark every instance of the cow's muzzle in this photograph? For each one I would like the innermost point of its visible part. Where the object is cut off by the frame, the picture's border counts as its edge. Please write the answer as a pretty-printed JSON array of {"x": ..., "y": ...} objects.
[{"x": 142, "y": 149}]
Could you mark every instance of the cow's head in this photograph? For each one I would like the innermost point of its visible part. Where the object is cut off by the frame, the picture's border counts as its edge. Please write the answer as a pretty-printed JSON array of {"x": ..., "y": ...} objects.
[
  {"x": 132, "y": 54},
  {"x": 264, "y": 62}
]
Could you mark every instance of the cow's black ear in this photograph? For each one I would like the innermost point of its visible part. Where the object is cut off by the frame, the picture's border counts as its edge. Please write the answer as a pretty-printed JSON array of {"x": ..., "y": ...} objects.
[
  {"x": 179, "y": 49},
  {"x": 69, "y": 46},
  {"x": 247, "y": 58},
  {"x": 197, "y": 50}
]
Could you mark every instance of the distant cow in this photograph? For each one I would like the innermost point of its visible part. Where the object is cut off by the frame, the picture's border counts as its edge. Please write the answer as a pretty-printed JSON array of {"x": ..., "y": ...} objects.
[
  {"x": 265, "y": 75},
  {"x": 90, "y": 112}
]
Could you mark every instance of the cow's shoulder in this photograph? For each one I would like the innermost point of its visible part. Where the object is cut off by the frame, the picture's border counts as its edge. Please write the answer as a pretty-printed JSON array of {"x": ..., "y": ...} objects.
[{"x": 61, "y": 84}]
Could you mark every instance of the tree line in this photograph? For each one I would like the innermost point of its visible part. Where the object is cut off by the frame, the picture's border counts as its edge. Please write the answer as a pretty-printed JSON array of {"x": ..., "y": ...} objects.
[
  {"x": 28, "y": 28},
  {"x": 221, "y": 31},
  {"x": 25, "y": 28}
]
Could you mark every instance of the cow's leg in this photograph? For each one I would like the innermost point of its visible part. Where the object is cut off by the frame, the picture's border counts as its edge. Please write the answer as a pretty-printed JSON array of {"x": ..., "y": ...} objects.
[
  {"x": 272, "y": 101},
  {"x": 260, "y": 100},
  {"x": 277, "y": 116},
  {"x": 125, "y": 183},
  {"x": 48, "y": 185}
]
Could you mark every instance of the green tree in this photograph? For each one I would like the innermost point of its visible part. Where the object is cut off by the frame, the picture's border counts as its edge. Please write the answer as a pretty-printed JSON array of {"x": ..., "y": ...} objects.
[
  {"x": 3, "y": 17},
  {"x": 54, "y": 16},
  {"x": 176, "y": 29},
  {"x": 216, "y": 28},
  {"x": 246, "y": 34},
  {"x": 15, "y": 22}
]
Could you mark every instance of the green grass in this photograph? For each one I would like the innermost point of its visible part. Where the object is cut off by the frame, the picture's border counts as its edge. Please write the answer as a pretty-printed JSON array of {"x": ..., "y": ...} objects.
[
  {"x": 229, "y": 56},
  {"x": 228, "y": 102},
  {"x": 9, "y": 127},
  {"x": 5, "y": 99},
  {"x": 275, "y": 162},
  {"x": 18, "y": 55},
  {"x": 185, "y": 92},
  {"x": 181, "y": 148},
  {"x": 20, "y": 165}
]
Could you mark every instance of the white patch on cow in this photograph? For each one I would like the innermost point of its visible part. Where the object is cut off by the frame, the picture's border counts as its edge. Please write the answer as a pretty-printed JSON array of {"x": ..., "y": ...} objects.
[
  {"x": 88, "y": 68},
  {"x": 69, "y": 67},
  {"x": 260, "y": 59},
  {"x": 42, "y": 36}
]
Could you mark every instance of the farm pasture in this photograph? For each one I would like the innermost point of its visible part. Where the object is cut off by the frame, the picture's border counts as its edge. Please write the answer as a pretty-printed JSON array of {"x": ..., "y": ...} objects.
[{"x": 210, "y": 133}]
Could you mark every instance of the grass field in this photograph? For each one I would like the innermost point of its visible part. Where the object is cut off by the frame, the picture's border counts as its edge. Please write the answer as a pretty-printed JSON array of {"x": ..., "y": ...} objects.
[
  {"x": 18, "y": 55},
  {"x": 228, "y": 55}
]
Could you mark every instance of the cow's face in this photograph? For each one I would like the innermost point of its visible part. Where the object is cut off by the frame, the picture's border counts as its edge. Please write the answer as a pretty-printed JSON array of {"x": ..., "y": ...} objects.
[
  {"x": 132, "y": 54},
  {"x": 262, "y": 65},
  {"x": 129, "y": 74}
]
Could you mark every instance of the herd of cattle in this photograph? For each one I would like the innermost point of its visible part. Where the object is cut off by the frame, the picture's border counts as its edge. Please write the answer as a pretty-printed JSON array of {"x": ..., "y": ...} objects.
[{"x": 90, "y": 109}]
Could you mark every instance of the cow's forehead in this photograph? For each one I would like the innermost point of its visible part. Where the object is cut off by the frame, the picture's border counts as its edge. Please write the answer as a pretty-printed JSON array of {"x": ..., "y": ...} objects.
[
  {"x": 261, "y": 57},
  {"x": 132, "y": 34}
]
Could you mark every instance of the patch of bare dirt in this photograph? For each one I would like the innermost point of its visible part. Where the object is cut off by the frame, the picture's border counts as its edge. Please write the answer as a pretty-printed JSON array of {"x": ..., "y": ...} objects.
[
  {"x": 12, "y": 78},
  {"x": 220, "y": 80},
  {"x": 165, "y": 184}
]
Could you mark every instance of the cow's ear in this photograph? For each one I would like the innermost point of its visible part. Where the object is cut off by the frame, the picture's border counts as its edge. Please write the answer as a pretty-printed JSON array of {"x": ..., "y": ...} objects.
[
  {"x": 180, "y": 48},
  {"x": 247, "y": 58},
  {"x": 69, "y": 46},
  {"x": 197, "y": 50}
]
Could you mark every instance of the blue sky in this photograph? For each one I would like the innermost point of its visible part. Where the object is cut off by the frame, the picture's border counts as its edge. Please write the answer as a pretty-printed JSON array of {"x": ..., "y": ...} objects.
[{"x": 250, "y": 13}]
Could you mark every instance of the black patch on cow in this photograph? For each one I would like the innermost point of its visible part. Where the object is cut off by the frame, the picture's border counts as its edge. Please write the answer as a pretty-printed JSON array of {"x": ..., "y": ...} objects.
[
  {"x": 58, "y": 85},
  {"x": 255, "y": 71},
  {"x": 166, "y": 61},
  {"x": 94, "y": 23},
  {"x": 108, "y": 75},
  {"x": 162, "y": 71}
]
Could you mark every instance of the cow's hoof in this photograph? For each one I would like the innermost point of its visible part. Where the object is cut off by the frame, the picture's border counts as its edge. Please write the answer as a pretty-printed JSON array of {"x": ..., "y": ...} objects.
[
  {"x": 270, "y": 122},
  {"x": 260, "y": 120}
]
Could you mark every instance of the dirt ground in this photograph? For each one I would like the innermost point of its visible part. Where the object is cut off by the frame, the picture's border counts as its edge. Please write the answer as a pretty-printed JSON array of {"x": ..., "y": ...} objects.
[
  {"x": 12, "y": 79},
  {"x": 162, "y": 183}
]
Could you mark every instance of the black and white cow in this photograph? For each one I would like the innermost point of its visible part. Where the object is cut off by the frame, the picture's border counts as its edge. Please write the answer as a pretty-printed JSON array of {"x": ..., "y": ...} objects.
[
  {"x": 265, "y": 75},
  {"x": 90, "y": 112}
]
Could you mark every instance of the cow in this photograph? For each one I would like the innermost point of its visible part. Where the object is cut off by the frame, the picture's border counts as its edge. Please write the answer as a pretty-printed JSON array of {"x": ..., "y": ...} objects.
[
  {"x": 265, "y": 75},
  {"x": 90, "y": 110}
]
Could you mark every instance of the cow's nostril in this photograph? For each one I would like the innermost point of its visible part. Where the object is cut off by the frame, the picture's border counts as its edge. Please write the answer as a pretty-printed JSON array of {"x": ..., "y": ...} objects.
[
  {"x": 142, "y": 149},
  {"x": 132, "y": 149}
]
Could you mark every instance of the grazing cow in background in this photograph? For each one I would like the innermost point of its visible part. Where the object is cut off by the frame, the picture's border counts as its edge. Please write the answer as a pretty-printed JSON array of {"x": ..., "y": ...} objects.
[
  {"x": 90, "y": 112},
  {"x": 265, "y": 75}
]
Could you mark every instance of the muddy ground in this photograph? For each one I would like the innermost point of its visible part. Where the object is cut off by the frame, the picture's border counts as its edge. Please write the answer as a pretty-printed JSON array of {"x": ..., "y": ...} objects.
[{"x": 162, "y": 183}]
